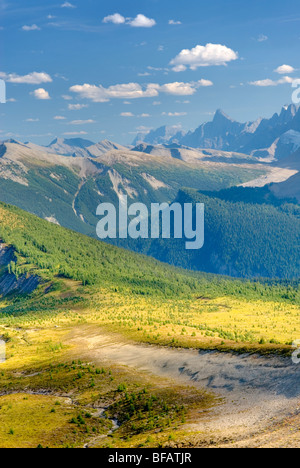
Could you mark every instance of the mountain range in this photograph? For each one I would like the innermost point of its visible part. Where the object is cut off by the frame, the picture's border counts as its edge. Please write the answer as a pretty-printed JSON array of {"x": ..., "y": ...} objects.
[
  {"x": 65, "y": 181},
  {"x": 266, "y": 139},
  {"x": 67, "y": 188}
]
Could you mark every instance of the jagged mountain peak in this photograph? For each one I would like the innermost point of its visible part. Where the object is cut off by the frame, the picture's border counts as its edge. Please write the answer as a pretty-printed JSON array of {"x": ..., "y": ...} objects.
[
  {"x": 221, "y": 115},
  {"x": 226, "y": 134}
]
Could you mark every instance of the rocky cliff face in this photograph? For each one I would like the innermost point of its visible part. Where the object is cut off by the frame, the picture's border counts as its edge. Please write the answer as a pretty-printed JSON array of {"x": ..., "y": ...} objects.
[
  {"x": 7, "y": 254},
  {"x": 24, "y": 284}
]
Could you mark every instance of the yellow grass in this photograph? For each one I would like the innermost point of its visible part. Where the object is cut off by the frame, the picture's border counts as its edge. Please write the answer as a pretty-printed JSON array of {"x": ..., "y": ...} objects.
[{"x": 39, "y": 343}]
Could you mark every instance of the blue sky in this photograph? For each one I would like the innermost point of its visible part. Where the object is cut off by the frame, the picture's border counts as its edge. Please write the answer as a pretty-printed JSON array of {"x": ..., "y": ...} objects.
[{"x": 100, "y": 69}]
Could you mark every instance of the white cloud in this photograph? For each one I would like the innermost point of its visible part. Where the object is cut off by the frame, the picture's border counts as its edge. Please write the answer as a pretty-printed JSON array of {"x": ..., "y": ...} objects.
[
  {"x": 184, "y": 89},
  {"x": 205, "y": 83},
  {"x": 115, "y": 19},
  {"x": 286, "y": 80},
  {"x": 32, "y": 120},
  {"x": 126, "y": 114},
  {"x": 156, "y": 103},
  {"x": 32, "y": 78},
  {"x": 203, "y": 56},
  {"x": 41, "y": 94},
  {"x": 268, "y": 82},
  {"x": 263, "y": 83},
  {"x": 285, "y": 70},
  {"x": 77, "y": 106},
  {"x": 33, "y": 27},
  {"x": 120, "y": 91},
  {"x": 59, "y": 117},
  {"x": 174, "y": 114},
  {"x": 262, "y": 38},
  {"x": 68, "y": 5},
  {"x": 174, "y": 23},
  {"x": 135, "y": 90},
  {"x": 82, "y": 122},
  {"x": 179, "y": 68},
  {"x": 141, "y": 21},
  {"x": 145, "y": 115}
]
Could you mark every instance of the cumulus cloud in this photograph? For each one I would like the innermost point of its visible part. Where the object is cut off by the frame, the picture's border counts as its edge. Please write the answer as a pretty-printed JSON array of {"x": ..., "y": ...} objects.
[
  {"x": 41, "y": 94},
  {"x": 32, "y": 120},
  {"x": 203, "y": 56},
  {"x": 184, "y": 89},
  {"x": 140, "y": 21},
  {"x": 59, "y": 117},
  {"x": 120, "y": 91},
  {"x": 285, "y": 70},
  {"x": 115, "y": 19},
  {"x": 33, "y": 27},
  {"x": 126, "y": 114},
  {"x": 32, "y": 78},
  {"x": 269, "y": 82},
  {"x": 174, "y": 23},
  {"x": 135, "y": 90}
]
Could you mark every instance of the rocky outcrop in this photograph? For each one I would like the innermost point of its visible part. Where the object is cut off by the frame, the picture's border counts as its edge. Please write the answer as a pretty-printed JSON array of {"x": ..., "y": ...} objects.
[
  {"x": 9, "y": 283},
  {"x": 25, "y": 284},
  {"x": 7, "y": 254}
]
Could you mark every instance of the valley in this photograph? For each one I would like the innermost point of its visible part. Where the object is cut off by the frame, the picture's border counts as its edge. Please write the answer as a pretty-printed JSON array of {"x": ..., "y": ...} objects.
[
  {"x": 106, "y": 347},
  {"x": 65, "y": 182},
  {"x": 77, "y": 371},
  {"x": 149, "y": 227}
]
